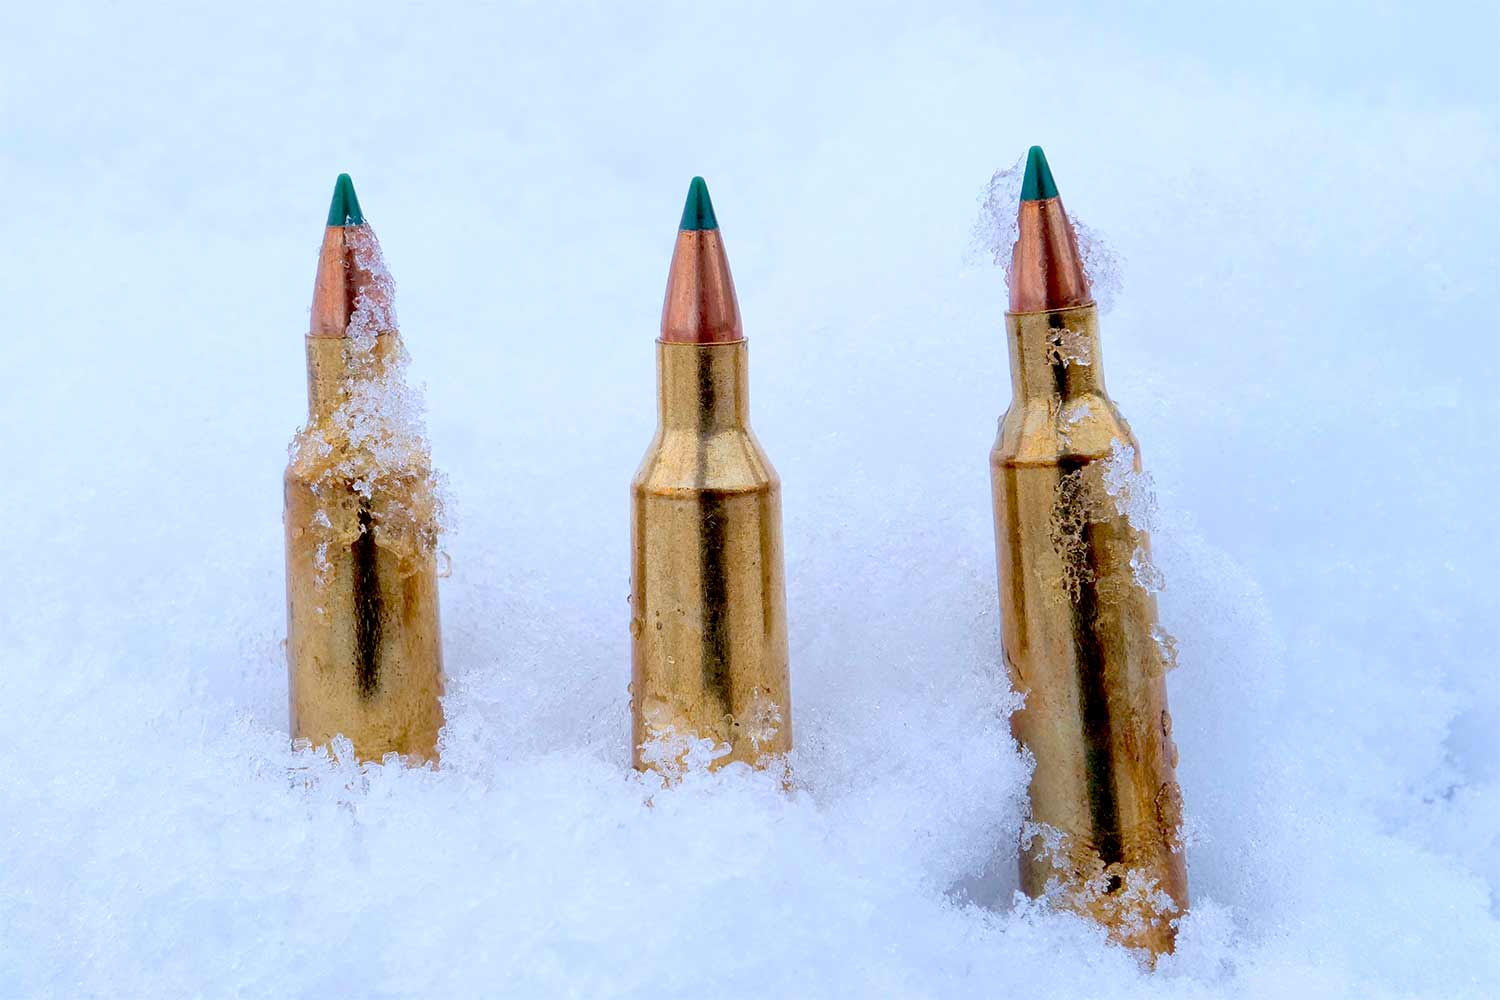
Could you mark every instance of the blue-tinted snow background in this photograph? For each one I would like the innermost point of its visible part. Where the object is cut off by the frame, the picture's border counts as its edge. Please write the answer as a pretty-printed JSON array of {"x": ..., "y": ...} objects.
[{"x": 1304, "y": 201}]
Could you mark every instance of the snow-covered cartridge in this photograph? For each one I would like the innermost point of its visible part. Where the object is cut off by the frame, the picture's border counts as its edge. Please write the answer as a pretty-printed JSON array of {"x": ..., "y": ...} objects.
[
  {"x": 362, "y": 512},
  {"x": 1078, "y": 611}
]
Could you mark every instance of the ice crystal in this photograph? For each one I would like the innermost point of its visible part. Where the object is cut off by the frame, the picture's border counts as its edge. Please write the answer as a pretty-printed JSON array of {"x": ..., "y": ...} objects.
[
  {"x": 761, "y": 719},
  {"x": 995, "y": 230}
]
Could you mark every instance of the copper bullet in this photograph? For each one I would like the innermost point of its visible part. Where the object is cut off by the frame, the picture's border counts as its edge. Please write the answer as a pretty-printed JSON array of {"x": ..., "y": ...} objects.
[
  {"x": 1079, "y": 624},
  {"x": 364, "y": 653},
  {"x": 708, "y": 598}
]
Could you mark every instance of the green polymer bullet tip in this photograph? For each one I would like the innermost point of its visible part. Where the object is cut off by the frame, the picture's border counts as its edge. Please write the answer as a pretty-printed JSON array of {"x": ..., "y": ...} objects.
[
  {"x": 1038, "y": 183},
  {"x": 698, "y": 213},
  {"x": 345, "y": 208}
]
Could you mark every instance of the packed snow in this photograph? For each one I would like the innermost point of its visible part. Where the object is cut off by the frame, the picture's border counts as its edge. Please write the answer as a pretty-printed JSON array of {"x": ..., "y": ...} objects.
[{"x": 1300, "y": 204}]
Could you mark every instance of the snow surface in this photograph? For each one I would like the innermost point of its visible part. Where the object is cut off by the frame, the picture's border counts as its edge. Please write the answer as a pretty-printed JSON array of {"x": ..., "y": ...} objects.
[{"x": 1303, "y": 203}]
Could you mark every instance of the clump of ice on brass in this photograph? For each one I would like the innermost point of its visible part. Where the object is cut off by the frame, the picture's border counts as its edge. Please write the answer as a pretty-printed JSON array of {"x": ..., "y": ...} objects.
[
  {"x": 1128, "y": 899},
  {"x": 673, "y": 753},
  {"x": 1069, "y": 347},
  {"x": 1102, "y": 491}
]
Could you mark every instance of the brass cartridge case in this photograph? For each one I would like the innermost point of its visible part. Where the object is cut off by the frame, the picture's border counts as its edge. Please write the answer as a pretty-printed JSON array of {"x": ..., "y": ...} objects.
[
  {"x": 363, "y": 645},
  {"x": 708, "y": 595},
  {"x": 1081, "y": 641}
]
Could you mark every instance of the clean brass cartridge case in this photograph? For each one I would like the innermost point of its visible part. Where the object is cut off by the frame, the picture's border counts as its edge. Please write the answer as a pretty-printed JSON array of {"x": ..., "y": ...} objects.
[
  {"x": 1079, "y": 623},
  {"x": 708, "y": 596},
  {"x": 364, "y": 652}
]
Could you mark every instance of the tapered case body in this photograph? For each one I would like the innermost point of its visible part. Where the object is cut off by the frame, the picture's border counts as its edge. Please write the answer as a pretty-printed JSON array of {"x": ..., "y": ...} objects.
[
  {"x": 1081, "y": 640},
  {"x": 708, "y": 595},
  {"x": 364, "y": 650}
]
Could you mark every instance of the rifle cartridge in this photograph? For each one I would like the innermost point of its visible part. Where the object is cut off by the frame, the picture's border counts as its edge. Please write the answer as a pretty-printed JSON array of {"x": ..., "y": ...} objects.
[
  {"x": 364, "y": 650},
  {"x": 708, "y": 595},
  {"x": 1079, "y": 625}
]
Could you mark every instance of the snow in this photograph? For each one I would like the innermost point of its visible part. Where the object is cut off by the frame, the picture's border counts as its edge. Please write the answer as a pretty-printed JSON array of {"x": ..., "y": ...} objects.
[{"x": 1302, "y": 208}]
